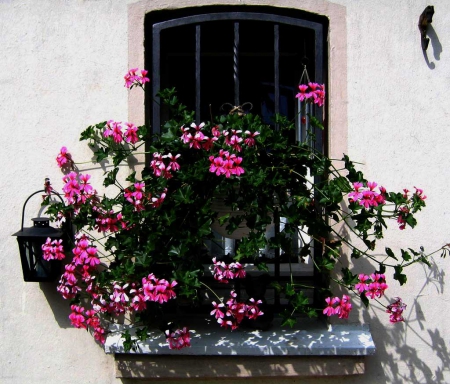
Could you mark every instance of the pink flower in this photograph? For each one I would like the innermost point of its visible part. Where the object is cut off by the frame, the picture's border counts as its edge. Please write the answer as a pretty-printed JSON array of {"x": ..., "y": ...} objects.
[
  {"x": 395, "y": 310},
  {"x": 120, "y": 295},
  {"x": 138, "y": 302},
  {"x": 99, "y": 334},
  {"x": 302, "y": 95},
  {"x": 337, "y": 306},
  {"x": 117, "y": 133},
  {"x": 222, "y": 272},
  {"x": 403, "y": 213},
  {"x": 217, "y": 311},
  {"x": 250, "y": 138},
  {"x": 76, "y": 317},
  {"x": 131, "y": 133},
  {"x": 329, "y": 309},
  {"x": 316, "y": 93},
  {"x": 419, "y": 194},
  {"x": 344, "y": 308},
  {"x": 173, "y": 165},
  {"x": 157, "y": 290},
  {"x": 186, "y": 137},
  {"x": 215, "y": 131},
  {"x": 362, "y": 285},
  {"x": 64, "y": 158},
  {"x": 178, "y": 339},
  {"x": 216, "y": 165},
  {"x": 132, "y": 78}
]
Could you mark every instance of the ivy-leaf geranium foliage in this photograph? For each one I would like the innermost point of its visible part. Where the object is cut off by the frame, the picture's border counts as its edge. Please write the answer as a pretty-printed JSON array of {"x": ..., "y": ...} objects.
[{"x": 140, "y": 247}]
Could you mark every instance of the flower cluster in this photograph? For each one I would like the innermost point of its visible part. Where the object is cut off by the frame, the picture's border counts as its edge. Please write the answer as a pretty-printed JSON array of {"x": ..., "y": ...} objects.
[
  {"x": 369, "y": 196},
  {"x": 84, "y": 252},
  {"x": 233, "y": 312},
  {"x": 313, "y": 92},
  {"x": 80, "y": 318},
  {"x": 196, "y": 138},
  {"x": 396, "y": 310},
  {"x": 226, "y": 164},
  {"x": 139, "y": 199},
  {"x": 84, "y": 263},
  {"x": 116, "y": 130},
  {"x": 77, "y": 189},
  {"x": 338, "y": 306},
  {"x": 373, "y": 285},
  {"x": 53, "y": 250},
  {"x": 108, "y": 221},
  {"x": 114, "y": 299},
  {"x": 158, "y": 290},
  {"x": 223, "y": 272},
  {"x": 132, "y": 78},
  {"x": 180, "y": 338},
  {"x": 164, "y": 165},
  {"x": 64, "y": 158}
]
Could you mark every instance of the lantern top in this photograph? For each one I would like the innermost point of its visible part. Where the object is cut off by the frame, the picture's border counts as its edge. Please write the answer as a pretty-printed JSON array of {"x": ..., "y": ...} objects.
[{"x": 40, "y": 228}]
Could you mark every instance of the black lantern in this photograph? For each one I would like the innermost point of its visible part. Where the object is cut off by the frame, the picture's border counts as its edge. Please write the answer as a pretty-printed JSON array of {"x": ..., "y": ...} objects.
[{"x": 30, "y": 240}]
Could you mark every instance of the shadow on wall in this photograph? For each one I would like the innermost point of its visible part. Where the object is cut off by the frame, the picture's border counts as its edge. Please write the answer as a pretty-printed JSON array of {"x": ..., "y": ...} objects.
[
  {"x": 394, "y": 347},
  {"x": 436, "y": 45},
  {"x": 59, "y": 306}
]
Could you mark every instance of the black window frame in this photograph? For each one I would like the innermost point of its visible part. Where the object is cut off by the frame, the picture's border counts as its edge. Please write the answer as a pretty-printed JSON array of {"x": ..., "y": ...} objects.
[{"x": 158, "y": 21}]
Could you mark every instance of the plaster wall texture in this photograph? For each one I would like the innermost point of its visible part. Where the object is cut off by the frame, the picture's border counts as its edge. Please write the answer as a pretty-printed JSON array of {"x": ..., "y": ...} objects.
[{"x": 61, "y": 70}]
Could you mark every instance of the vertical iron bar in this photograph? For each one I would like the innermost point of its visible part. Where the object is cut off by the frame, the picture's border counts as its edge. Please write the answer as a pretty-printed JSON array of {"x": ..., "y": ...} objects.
[
  {"x": 197, "y": 73},
  {"x": 276, "y": 219},
  {"x": 236, "y": 63},
  {"x": 276, "y": 49},
  {"x": 156, "y": 81}
]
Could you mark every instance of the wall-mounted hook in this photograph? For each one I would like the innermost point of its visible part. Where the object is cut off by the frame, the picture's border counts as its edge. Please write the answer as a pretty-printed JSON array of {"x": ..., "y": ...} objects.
[{"x": 425, "y": 19}]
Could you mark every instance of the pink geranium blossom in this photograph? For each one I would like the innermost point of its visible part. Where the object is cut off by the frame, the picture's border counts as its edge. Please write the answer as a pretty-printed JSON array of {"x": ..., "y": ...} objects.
[
  {"x": 131, "y": 133},
  {"x": 76, "y": 317},
  {"x": 338, "y": 306},
  {"x": 132, "y": 78},
  {"x": 64, "y": 158},
  {"x": 395, "y": 310},
  {"x": 178, "y": 339}
]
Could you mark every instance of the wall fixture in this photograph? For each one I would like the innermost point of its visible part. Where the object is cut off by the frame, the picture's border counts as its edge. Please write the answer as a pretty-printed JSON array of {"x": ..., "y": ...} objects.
[
  {"x": 30, "y": 240},
  {"x": 425, "y": 19}
]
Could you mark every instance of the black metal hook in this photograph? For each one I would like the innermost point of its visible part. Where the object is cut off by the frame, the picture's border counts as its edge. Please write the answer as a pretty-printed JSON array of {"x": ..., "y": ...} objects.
[{"x": 425, "y": 19}]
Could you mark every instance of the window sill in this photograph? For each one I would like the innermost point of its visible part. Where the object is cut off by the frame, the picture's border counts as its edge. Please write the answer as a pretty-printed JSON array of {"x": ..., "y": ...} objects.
[{"x": 325, "y": 350}]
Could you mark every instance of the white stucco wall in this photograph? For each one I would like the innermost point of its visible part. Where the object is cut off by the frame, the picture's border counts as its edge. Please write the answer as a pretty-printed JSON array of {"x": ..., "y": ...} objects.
[{"x": 61, "y": 69}]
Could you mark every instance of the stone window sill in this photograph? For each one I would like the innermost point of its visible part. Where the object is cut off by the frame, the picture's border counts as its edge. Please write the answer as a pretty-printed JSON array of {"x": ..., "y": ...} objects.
[{"x": 312, "y": 349}]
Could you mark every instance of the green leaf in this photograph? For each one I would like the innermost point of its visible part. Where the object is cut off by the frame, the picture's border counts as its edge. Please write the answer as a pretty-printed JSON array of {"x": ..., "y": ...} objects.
[
  {"x": 288, "y": 319},
  {"x": 262, "y": 266},
  {"x": 355, "y": 254},
  {"x": 390, "y": 253},
  {"x": 399, "y": 276},
  {"x": 142, "y": 333},
  {"x": 299, "y": 300},
  {"x": 405, "y": 255},
  {"x": 110, "y": 178},
  {"x": 348, "y": 277},
  {"x": 289, "y": 290},
  {"x": 364, "y": 299},
  {"x": 101, "y": 154},
  {"x": 132, "y": 177}
]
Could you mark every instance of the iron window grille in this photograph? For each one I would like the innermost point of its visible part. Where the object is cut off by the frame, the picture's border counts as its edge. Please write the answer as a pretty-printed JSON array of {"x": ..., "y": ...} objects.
[{"x": 218, "y": 55}]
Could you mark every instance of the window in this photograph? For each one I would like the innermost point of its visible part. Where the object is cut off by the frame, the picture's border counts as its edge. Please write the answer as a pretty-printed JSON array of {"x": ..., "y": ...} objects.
[{"x": 221, "y": 57}]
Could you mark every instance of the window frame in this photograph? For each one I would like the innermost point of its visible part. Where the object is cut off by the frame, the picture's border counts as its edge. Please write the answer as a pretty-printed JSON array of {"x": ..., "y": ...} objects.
[{"x": 155, "y": 25}]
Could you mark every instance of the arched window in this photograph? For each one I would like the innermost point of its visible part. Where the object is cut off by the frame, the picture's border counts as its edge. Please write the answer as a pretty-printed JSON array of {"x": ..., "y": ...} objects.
[{"x": 217, "y": 55}]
